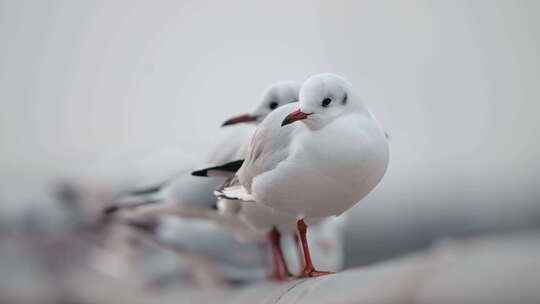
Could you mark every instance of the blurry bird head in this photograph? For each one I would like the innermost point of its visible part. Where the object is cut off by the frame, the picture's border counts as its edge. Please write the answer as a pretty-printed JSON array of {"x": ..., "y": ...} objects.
[{"x": 276, "y": 95}]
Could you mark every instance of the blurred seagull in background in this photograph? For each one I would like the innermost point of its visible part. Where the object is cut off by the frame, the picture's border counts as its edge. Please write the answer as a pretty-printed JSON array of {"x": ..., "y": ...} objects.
[
  {"x": 173, "y": 183},
  {"x": 262, "y": 220},
  {"x": 187, "y": 196}
]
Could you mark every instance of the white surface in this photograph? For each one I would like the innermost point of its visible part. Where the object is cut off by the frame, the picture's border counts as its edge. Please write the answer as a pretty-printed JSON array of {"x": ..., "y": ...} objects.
[
  {"x": 497, "y": 270},
  {"x": 503, "y": 269}
]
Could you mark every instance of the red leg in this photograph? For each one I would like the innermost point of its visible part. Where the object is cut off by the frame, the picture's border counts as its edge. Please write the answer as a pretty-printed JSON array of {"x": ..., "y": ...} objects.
[
  {"x": 309, "y": 270},
  {"x": 280, "y": 271},
  {"x": 300, "y": 253}
]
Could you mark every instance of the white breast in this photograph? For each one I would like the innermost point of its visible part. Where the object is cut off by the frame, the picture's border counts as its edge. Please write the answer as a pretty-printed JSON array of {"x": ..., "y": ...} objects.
[{"x": 327, "y": 170}]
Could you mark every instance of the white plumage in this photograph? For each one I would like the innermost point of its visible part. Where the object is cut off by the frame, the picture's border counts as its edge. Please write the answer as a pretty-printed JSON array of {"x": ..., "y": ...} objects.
[
  {"x": 315, "y": 168},
  {"x": 320, "y": 167}
]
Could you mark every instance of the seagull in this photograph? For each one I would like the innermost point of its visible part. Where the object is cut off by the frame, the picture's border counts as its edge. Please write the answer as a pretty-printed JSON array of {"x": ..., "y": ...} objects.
[
  {"x": 313, "y": 159},
  {"x": 123, "y": 181},
  {"x": 259, "y": 218},
  {"x": 182, "y": 188},
  {"x": 181, "y": 196}
]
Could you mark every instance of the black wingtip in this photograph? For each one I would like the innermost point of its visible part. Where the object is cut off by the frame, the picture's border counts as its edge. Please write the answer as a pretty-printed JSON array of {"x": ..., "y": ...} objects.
[
  {"x": 149, "y": 190},
  {"x": 149, "y": 226},
  {"x": 203, "y": 173},
  {"x": 230, "y": 167},
  {"x": 110, "y": 209}
]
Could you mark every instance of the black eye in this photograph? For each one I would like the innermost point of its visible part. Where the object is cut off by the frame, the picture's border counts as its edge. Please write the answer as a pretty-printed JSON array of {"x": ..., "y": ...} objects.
[
  {"x": 344, "y": 100},
  {"x": 326, "y": 102},
  {"x": 273, "y": 105}
]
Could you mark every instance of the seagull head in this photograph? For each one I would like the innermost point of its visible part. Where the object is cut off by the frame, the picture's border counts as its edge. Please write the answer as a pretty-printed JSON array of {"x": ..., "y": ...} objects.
[
  {"x": 276, "y": 95},
  {"x": 323, "y": 98}
]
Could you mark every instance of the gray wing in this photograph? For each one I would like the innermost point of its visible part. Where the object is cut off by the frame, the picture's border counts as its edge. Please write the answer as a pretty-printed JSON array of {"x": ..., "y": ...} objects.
[{"x": 268, "y": 146}]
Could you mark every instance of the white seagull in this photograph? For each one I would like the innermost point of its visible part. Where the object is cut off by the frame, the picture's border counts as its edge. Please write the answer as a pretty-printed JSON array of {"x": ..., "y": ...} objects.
[
  {"x": 320, "y": 166},
  {"x": 184, "y": 190},
  {"x": 262, "y": 220},
  {"x": 187, "y": 196}
]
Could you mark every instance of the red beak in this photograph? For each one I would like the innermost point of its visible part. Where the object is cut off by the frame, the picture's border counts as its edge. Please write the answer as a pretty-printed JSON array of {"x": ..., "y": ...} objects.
[
  {"x": 294, "y": 116},
  {"x": 240, "y": 119}
]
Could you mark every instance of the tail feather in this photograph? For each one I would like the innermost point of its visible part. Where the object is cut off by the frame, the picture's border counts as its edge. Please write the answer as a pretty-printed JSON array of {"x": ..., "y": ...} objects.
[{"x": 233, "y": 190}]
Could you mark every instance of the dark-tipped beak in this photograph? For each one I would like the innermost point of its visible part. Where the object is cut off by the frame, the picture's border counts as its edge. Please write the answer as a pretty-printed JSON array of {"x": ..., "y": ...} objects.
[
  {"x": 240, "y": 119},
  {"x": 294, "y": 116}
]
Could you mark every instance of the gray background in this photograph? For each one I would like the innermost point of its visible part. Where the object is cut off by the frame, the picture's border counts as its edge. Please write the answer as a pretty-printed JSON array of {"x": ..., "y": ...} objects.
[{"x": 455, "y": 83}]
